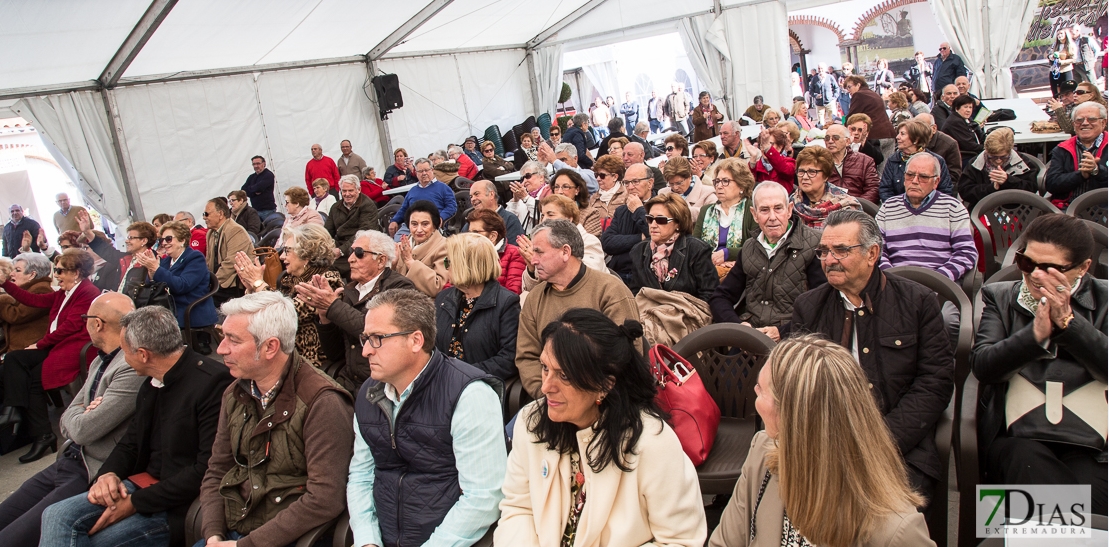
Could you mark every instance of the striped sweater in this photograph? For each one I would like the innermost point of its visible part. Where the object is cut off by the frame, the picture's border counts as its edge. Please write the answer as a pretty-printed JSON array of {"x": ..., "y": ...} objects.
[{"x": 937, "y": 236}]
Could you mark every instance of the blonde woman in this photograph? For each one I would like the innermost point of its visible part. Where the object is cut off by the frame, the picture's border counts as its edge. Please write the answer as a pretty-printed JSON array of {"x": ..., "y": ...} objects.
[{"x": 812, "y": 393}]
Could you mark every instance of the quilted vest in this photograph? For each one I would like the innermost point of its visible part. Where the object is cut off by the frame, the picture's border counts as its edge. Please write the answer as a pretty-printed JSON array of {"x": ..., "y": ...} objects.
[
  {"x": 774, "y": 283},
  {"x": 416, "y": 480}
]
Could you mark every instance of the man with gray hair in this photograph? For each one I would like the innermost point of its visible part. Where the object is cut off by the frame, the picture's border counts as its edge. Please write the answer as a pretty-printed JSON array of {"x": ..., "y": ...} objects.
[
  {"x": 483, "y": 195},
  {"x": 635, "y": 153},
  {"x": 273, "y": 500},
  {"x": 565, "y": 156},
  {"x": 893, "y": 328},
  {"x": 429, "y": 451},
  {"x": 466, "y": 166},
  {"x": 145, "y": 486},
  {"x": 353, "y": 213},
  {"x": 14, "y": 231},
  {"x": 576, "y": 134},
  {"x": 557, "y": 250},
  {"x": 198, "y": 235},
  {"x": 427, "y": 188},
  {"x": 731, "y": 134},
  {"x": 342, "y": 313},
  {"x": 1078, "y": 164}
]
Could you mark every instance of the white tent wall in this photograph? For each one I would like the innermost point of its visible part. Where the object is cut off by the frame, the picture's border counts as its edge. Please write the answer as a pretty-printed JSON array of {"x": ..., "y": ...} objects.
[
  {"x": 758, "y": 37},
  {"x": 448, "y": 97}
]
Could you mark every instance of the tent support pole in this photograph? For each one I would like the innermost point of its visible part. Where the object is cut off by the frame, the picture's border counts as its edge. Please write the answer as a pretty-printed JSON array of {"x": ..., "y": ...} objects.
[
  {"x": 144, "y": 29},
  {"x": 533, "y": 83},
  {"x": 115, "y": 127},
  {"x": 382, "y": 128}
]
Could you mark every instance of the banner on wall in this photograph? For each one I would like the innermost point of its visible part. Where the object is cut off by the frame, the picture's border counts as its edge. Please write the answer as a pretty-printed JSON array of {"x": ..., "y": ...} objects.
[{"x": 1080, "y": 17}]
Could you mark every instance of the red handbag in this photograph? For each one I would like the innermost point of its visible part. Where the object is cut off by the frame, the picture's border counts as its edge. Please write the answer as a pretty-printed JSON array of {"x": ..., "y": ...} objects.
[{"x": 694, "y": 415}]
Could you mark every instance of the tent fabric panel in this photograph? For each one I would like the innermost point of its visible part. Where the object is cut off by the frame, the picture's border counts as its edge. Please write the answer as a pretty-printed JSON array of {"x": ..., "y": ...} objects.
[
  {"x": 321, "y": 105},
  {"x": 619, "y": 14},
  {"x": 480, "y": 23},
  {"x": 763, "y": 70},
  {"x": 59, "y": 42},
  {"x": 190, "y": 141}
]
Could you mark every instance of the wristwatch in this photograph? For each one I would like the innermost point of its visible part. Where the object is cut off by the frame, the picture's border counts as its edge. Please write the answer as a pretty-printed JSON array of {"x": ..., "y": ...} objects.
[
  {"x": 1066, "y": 321},
  {"x": 259, "y": 283}
]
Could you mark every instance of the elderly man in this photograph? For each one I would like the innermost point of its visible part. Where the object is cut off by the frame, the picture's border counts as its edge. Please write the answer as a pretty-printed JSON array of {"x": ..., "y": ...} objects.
[
  {"x": 865, "y": 101},
  {"x": 1078, "y": 164},
  {"x": 642, "y": 130},
  {"x": 576, "y": 135},
  {"x": 855, "y": 171},
  {"x": 94, "y": 421},
  {"x": 630, "y": 111},
  {"x": 469, "y": 147},
  {"x": 962, "y": 83},
  {"x": 772, "y": 269},
  {"x": 427, "y": 189},
  {"x": 678, "y": 106},
  {"x": 20, "y": 228},
  {"x": 730, "y": 139},
  {"x": 634, "y": 155},
  {"x": 273, "y": 500},
  {"x": 198, "y": 235},
  {"x": 527, "y": 192},
  {"x": 429, "y": 451},
  {"x": 466, "y": 166},
  {"x": 65, "y": 218},
  {"x": 147, "y": 483},
  {"x": 321, "y": 167},
  {"x": 349, "y": 163},
  {"x": 941, "y": 110},
  {"x": 827, "y": 94},
  {"x": 483, "y": 195},
  {"x": 892, "y": 327},
  {"x": 565, "y": 156},
  {"x": 946, "y": 68},
  {"x": 259, "y": 188},
  {"x": 629, "y": 222},
  {"x": 565, "y": 282},
  {"x": 944, "y": 146},
  {"x": 1062, "y": 107},
  {"x": 225, "y": 238},
  {"x": 638, "y": 134},
  {"x": 353, "y": 213}
]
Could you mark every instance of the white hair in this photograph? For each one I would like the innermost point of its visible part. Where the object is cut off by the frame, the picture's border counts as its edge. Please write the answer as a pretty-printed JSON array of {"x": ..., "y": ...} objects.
[
  {"x": 349, "y": 179},
  {"x": 1088, "y": 104},
  {"x": 271, "y": 315},
  {"x": 568, "y": 148},
  {"x": 768, "y": 185},
  {"x": 379, "y": 243},
  {"x": 455, "y": 150}
]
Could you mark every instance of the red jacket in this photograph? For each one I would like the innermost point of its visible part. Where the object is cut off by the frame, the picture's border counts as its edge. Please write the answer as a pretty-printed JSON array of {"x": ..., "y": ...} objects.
[
  {"x": 64, "y": 344},
  {"x": 783, "y": 173},
  {"x": 860, "y": 177},
  {"x": 466, "y": 167},
  {"x": 323, "y": 168},
  {"x": 512, "y": 268},
  {"x": 198, "y": 240},
  {"x": 373, "y": 189}
]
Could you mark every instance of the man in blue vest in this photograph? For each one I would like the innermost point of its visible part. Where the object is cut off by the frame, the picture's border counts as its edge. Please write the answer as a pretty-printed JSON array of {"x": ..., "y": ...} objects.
[{"x": 429, "y": 451}]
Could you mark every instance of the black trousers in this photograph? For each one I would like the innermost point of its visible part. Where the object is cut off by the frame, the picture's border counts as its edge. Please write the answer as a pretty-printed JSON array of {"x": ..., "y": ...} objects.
[
  {"x": 1024, "y": 461},
  {"x": 23, "y": 388},
  {"x": 225, "y": 294},
  {"x": 21, "y": 513},
  {"x": 923, "y": 484}
]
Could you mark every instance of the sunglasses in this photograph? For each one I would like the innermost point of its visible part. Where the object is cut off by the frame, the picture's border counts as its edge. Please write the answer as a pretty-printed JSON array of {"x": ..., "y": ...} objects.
[
  {"x": 661, "y": 221},
  {"x": 1081, "y": 92},
  {"x": 166, "y": 240},
  {"x": 360, "y": 253},
  {"x": 669, "y": 148},
  {"x": 60, "y": 271},
  {"x": 1027, "y": 265}
]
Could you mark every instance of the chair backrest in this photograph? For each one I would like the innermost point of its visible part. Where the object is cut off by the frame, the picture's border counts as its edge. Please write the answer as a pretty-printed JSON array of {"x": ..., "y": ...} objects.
[
  {"x": 1100, "y": 267},
  {"x": 1008, "y": 273},
  {"x": 947, "y": 291},
  {"x": 1092, "y": 206},
  {"x": 276, "y": 220},
  {"x": 869, "y": 207},
  {"x": 493, "y": 133},
  {"x": 1041, "y": 173},
  {"x": 544, "y": 123},
  {"x": 385, "y": 214},
  {"x": 1008, "y": 213},
  {"x": 509, "y": 142},
  {"x": 525, "y": 127},
  {"x": 728, "y": 357}
]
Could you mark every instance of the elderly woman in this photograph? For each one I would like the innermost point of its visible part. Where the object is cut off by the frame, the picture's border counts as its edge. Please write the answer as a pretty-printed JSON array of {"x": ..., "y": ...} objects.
[
  {"x": 569, "y": 183},
  {"x": 185, "y": 271},
  {"x": 526, "y": 152},
  {"x": 628, "y": 223},
  {"x": 679, "y": 176},
  {"x": 616, "y": 146},
  {"x": 706, "y": 118},
  {"x": 770, "y": 157},
  {"x": 815, "y": 197},
  {"x": 912, "y": 137},
  {"x": 476, "y": 319},
  {"x": 1045, "y": 333},
  {"x": 702, "y": 159},
  {"x": 728, "y": 223},
  {"x": 308, "y": 252},
  {"x": 141, "y": 236},
  {"x": 527, "y": 192},
  {"x": 492, "y": 165},
  {"x": 799, "y": 115},
  {"x": 490, "y": 225},
  {"x": 400, "y": 172},
  {"x": 52, "y": 361},
  {"x": 998, "y": 167},
  {"x": 898, "y": 104},
  {"x": 297, "y": 205},
  {"x": 671, "y": 259},
  {"x": 597, "y": 214},
  {"x": 421, "y": 253},
  {"x": 810, "y": 393},
  {"x": 593, "y": 462},
  {"x": 771, "y": 118},
  {"x": 964, "y": 130},
  {"x": 321, "y": 200},
  {"x": 25, "y": 325}
]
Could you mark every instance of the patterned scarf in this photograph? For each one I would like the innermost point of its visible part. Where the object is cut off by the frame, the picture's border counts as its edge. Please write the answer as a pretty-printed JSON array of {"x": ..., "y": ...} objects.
[
  {"x": 660, "y": 258},
  {"x": 813, "y": 214},
  {"x": 1031, "y": 303},
  {"x": 710, "y": 231}
]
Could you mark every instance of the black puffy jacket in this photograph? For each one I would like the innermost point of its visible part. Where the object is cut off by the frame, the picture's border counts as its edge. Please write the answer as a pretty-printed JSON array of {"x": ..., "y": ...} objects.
[{"x": 489, "y": 335}]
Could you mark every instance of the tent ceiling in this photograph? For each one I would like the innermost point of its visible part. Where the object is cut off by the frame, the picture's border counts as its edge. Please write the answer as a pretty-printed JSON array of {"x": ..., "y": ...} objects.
[
  {"x": 622, "y": 14},
  {"x": 485, "y": 23}
]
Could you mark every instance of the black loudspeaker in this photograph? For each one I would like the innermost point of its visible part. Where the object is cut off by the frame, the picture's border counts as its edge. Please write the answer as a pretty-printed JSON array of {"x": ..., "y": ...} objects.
[{"x": 387, "y": 88}]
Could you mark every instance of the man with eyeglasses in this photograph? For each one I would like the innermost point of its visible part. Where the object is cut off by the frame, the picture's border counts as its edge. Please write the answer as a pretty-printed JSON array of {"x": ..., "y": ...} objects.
[
  {"x": 947, "y": 66},
  {"x": 259, "y": 188},
  {"x": 351, "y": 214},
  {"x": 280, "y": 456},
  {"x": 429, "y": 451},
  {"x": 427, "y": 188},
  {"x": 893, "y": 328},
  {"x": 629, "y": 224},
  {"x": 65, "y": 219},
  {"x": 198, "y": 235},
  {"x": 527, "y": 192},
  {"x": 1078, "y": 164},
  {"x": 152, "y": 476},
  {"x": 855, "y": 171},
  {"x": 19, "y": 228},
  {"x": 634, "y": 154}
]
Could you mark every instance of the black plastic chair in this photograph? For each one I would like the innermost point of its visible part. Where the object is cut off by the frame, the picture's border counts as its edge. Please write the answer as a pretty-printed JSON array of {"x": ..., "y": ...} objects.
[
  {"x": 493, "y": 134},
  {"x": 385, "y": 214},
  {"x": 1009, "y": 212},
  {"x": 728, "y": 357},
  {"x": 869, "y": 207},
  {"x": 1092, "y": 206},
  {"x": 1100, "y": 266},
  {"x": 187, "y": 329},
  {"x": 194, "y": 531},
  {"x": 515, "y": 397},
  {"x": 273, "y": 222}
]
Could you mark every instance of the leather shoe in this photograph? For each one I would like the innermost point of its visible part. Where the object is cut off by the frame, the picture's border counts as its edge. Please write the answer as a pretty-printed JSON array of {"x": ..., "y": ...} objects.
[
  {"x": 39, "y": 448},
  {"x": 8, "y": 416}
]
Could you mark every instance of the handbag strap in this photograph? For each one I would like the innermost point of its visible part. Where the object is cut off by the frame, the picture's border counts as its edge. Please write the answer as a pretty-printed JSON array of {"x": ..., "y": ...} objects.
[{"x": 663, "y": 362}]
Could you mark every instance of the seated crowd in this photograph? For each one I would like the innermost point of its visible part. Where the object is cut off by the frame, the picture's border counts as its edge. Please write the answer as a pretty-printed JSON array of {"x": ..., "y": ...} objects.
[{"x": 365, "y": 340}]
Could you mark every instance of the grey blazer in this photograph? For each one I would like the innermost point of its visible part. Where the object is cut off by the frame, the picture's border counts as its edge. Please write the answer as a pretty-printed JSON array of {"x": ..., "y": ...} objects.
[{"x": 98, "y": 430}]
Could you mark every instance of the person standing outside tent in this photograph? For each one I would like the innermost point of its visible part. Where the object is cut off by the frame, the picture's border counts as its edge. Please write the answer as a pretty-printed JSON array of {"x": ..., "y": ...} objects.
[
  {"x": 945, "y": 69},
  {"x": 630, "y": 111}
]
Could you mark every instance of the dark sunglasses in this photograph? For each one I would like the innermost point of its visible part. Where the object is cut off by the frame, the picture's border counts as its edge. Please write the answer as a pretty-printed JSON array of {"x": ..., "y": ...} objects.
[
  {"x": 1027, "y": 265},
  {"x": 60, "y": 271},
  {"x": 662, "y": 221},
  {"x": 360, "y": 253},
  {"x": 1081, "y": 92},
  {"x": 669, "y": 148},
  {"x": 166, "y": 240}
]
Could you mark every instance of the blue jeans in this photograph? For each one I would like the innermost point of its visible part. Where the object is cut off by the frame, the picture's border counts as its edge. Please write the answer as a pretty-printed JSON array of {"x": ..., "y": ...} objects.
[
  {"x": 67, "y": 523},
  {"x": 21, "y": 513},
  {"x": 656, "y": 126},
  {"x": 235, "y": 536}
]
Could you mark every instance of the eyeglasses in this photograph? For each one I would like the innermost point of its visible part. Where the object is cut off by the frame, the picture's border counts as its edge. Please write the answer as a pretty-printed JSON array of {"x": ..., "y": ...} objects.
[
  {"x": 529, "y": 175},
  {"x": 86, "y": 317},
  {"x": 1081, "y": 92},
  {"x": 669, "y": 148},
  {"x": 835, "y": 138},
  {"x": 602, "y": 175},
  {"x": 637, "y": 181},
  {"x": 166, "y": 240},
  {"x": 723, "y": 183},
  {"x": 375, "y": 340},
  {"x": 130, "y": 238},
  {"x": 807, "y": 173},
  {"x": 661, "y": 221},
  {"x": 997, "y": 159},
  {"x": 564, "y": 187},
  {"x": 838, "y": 252},
  {"x": 1027, "y": 265},
  {"x": 943, "y": 49},
  {"x": 418, "y": 171},
  {"x": 919, "y": 176},
  {"x": 700, "y": 156},
  {"x": 1084, "y": 121},
  {"x": 360, "y": 253},
  {"x": 60, "y": 271},
  {"x": 263, "y": 457}
]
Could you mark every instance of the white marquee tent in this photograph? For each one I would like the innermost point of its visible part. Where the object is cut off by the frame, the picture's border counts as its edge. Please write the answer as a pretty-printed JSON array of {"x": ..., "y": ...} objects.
[{"x": 159, "y": 104}]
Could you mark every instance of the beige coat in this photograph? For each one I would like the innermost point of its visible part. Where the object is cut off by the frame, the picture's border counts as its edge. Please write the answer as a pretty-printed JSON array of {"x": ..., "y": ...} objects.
[
  {"x": 597, "y": 211},
  {"x": 699, "y": 196},
  {"x": 225, "y": 242},
  {"x": 905, "y": 529},
  {"x": 657, "y": 503},
  {"x": 426, "y": 271}
]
